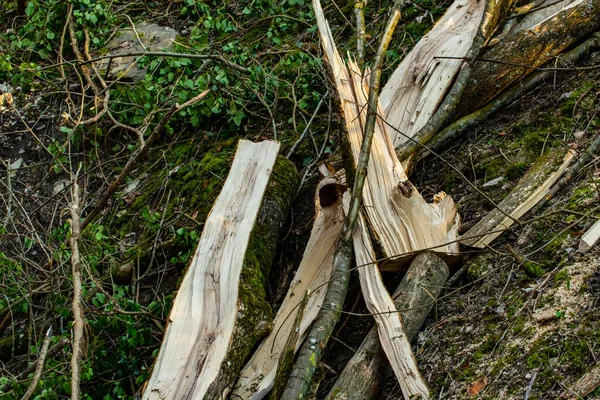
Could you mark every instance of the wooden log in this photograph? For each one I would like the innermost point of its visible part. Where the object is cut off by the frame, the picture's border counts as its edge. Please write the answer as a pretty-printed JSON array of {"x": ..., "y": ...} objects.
[
  {"x": 584, "y": 386},
  {"x": 258, "y": 375},
  {"x": 520, "y": 53},
  {"x": 417, "y": 87},
  {"x": 367, "y": 371},
  {"x": 459, "y": 127},
  {"x": 530, "y": 189},
  {"x": 221, "y": 311}
]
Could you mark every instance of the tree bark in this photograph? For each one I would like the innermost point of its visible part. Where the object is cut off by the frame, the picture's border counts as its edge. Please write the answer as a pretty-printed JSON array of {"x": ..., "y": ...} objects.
[
  {"x": 302, "y": 301},
  {"x": 456, "y": 129},
  {"x": 519, "y": 54}
]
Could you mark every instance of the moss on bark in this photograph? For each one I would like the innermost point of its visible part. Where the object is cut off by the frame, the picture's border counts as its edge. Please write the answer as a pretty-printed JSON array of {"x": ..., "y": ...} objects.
[{"x": 254, "y": 311}]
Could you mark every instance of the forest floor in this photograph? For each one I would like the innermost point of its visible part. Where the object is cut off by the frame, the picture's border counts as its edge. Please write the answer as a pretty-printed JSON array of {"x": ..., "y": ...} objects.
[{"x": 505, "y": 330}]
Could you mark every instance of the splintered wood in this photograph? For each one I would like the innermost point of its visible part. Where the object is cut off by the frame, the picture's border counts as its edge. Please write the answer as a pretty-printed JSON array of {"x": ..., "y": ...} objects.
[
  {"x": 402, "y": 221},
  {"x": 204, "y": 313},
  {"x": 389, "y": 325},
  {"x": 528, "y": 192},
  {"x": 257, "y": 377},
  {"x": 417, "y": 87}
]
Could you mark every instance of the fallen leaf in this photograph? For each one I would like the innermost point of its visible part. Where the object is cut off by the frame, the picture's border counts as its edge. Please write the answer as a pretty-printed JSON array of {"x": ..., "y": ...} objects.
[
  {"x": 477, "y": 386},
  {"x": 6, "y": 99}
]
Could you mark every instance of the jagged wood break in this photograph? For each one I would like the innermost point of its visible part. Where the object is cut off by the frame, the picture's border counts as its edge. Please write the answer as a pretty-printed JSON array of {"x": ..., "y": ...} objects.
[
  {"x": 258, "y": 376},
  {"x": 400, "y": 219},
  {"x": 206, "y": 309},
  {"x": 417, "y": 87}
]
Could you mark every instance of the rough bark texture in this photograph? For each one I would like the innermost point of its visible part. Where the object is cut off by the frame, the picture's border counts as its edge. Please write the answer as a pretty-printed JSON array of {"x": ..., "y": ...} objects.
[
  {"x": 305, "y": 296},
  {"x": 214, "y": 329},
  {"x": 256, "y": 322},
  {"x": 521, "y": 53},
  {"x": 415, "y": 296}
]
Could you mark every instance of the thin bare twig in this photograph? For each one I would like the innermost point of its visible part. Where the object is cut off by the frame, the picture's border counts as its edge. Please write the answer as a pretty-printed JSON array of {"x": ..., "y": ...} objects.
[
  {"x": 39, "y": 366},
  {"x": 77, "y": 293}
]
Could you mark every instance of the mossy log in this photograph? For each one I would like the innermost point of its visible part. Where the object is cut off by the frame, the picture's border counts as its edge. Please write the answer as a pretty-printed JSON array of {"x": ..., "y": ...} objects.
[
  {"x": 521, "y": 53},
  {"x": 13, "y": 345},
  {"x": 459, "y": 127},
  {"x": 368, "y": 370},
  {"x": 417, "y": 87},
  {"x": 221, "y": 309},
  {"x": 530, "y": 189}
]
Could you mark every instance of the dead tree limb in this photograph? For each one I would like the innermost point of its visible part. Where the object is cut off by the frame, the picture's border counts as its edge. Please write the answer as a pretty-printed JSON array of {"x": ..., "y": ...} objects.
[
  {"x": 530, "y": 189},
  {"x": 367, "y": 371},
  {"x": 312, "y": 350},
  {"x": 39, "y": 366},
  {"x": 51, "y": 353},
  {"x": 137, "y": 156},
  {"x": 519, "y": 54},
  {"x": 456, "y": 129},
  {"x": 77, "y": 293}
]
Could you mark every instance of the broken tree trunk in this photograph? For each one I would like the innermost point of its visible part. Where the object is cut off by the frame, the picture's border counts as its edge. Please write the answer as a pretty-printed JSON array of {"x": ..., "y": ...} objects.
[
  {"x": 520, "y": 53},
  {"x": 402, "y": 222},
  {"x": 530, "y": 189},
  {"x": 367, "y": 371},
  {"x": 417, "y": 87},
  {"x": 258, "y": 375},
  {"x": 220, "y": 311}
]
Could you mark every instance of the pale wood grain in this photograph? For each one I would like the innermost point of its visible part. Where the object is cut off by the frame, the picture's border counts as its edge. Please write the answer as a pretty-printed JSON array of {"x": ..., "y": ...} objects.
[
  {"x": 203, "y": 316},
  {"x": 257, "y": 377}
]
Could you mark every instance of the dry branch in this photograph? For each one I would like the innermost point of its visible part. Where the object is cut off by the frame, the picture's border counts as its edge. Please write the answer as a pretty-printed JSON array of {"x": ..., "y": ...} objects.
[
  {"x": 51, "y": 353},
  {"x": 78, "y": 322},
  {"x": 257, "y": 377},
  {"x": 137, "y": 156},
  {"x": 530, "y": 189},
  {"x": 389, "y": 325},
  {"x": 367, "y": 371},
  {"x": 209, "y": 319},
  {"x": 39, "y": 366}
]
